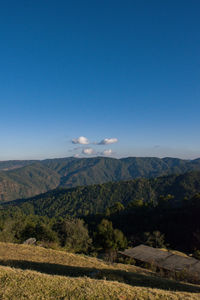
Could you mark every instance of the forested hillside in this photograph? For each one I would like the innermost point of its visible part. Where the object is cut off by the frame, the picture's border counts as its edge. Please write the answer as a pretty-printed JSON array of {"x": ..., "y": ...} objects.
[
  {"x": 84, "y": 200},
  {"x": 22, "y": 179},
  {"x": 27, "y": 181},
  {"x": 14, "y": 164},
  {"x": 159, "y": 212}
]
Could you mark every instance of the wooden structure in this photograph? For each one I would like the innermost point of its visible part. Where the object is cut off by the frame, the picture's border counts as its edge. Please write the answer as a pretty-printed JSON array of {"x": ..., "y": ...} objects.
[{"x": 164, "y": 259}]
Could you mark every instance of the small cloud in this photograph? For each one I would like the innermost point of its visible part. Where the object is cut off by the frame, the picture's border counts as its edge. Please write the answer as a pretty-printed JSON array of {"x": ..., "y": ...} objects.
[
  {"x": 81, "y": 140},
  {"x": 88, "y": 151},
  {"x": 108, "y": 141},
  {"x": 107, "y": 152},
  {"x": 76, "y": 155}
]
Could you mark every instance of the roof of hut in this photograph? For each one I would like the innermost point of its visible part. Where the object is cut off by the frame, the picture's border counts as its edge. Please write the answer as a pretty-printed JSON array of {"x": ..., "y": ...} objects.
[{"x": 164, "y": 259}]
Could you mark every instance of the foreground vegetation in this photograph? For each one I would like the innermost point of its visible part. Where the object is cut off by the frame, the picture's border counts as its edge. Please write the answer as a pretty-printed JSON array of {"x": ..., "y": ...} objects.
[{"x": 62, "y": 275}]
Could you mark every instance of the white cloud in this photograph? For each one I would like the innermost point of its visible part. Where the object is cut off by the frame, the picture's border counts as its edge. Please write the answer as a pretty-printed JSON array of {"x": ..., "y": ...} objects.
[
  {"x": 81, "y": 140},
  {"x": 107, "y": 152},
  {"x": 88, "y": 151},
  {"x": 108, "y": 141},
  {"x": 77, "y": 155}
]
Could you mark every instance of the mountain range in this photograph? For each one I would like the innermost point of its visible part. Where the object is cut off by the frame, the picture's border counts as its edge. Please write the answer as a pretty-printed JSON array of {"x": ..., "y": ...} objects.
[{"x": 27, "y": 178}]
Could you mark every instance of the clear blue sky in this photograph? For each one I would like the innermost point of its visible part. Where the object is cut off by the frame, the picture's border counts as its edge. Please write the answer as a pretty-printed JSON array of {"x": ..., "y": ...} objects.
[{"x": 100, "y": 69}]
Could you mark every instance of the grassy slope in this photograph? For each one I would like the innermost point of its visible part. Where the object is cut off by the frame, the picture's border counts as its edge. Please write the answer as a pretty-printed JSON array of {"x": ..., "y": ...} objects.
[{"x": 62, "y": 275}]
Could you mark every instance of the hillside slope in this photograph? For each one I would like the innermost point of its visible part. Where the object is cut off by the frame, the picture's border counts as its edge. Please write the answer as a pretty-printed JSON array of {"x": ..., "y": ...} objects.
[
  {"x": 27, "y": 181},
  {"x": 24, "y": 179},
  {"x": 63, "y": 275},
  {"x": 14, "y": 164},
  {"x": 94, "y": 199}
]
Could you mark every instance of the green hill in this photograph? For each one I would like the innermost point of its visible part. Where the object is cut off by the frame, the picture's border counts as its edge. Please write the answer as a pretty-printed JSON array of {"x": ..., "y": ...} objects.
[
  {"x": 22, "y": 179},
  {"x": 95, "y": 199},
  {"x": 27, "y": 181},
  {"x": 14, "y": 164}
]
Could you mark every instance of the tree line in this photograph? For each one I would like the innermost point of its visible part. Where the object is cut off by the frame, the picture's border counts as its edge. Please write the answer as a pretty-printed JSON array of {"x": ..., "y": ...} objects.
[{"x": 119, "y": 226}]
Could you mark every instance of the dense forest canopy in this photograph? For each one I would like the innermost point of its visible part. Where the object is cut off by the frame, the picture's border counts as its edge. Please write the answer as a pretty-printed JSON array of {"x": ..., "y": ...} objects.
[
  {"x": 86, "y": 200},
  {"x": 23, "y": 179}
]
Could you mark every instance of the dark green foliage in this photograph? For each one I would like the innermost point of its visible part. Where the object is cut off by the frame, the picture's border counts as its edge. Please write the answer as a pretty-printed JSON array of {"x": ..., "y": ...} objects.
[
  {"x": 117, "y": 207},
  {"x": 104, "y": 236},
  {"x": 154, "y": 239},
  {"x": 168, "y": 206},
  {"x": 41, "y": 232},
  {"x": 109, "y": 198},
  {"x": 28, "y": 178},
  {"x": 180, "y": 224},
  {"x": 73, "y": 235},
  {"x": 108, "y": 238}
]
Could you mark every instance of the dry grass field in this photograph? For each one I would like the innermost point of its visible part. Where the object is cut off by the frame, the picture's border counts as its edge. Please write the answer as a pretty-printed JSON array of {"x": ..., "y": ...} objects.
[{"x": 31, "y": 272}]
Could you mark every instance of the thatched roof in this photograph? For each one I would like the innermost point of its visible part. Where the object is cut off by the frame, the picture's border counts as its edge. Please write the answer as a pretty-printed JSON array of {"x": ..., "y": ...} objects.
[{"x": 164, "y": 259}]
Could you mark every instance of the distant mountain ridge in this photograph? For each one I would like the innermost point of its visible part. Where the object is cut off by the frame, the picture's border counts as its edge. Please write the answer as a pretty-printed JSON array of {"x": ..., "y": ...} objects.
[
  {"x": 14, "y": 164},
  {"x": 22, "y": 179}
]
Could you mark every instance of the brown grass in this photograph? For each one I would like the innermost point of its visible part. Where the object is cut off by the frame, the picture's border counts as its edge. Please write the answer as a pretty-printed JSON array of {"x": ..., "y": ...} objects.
[
  {"x": 70, "y": 276},
  {"x": 174, "y": 252}
]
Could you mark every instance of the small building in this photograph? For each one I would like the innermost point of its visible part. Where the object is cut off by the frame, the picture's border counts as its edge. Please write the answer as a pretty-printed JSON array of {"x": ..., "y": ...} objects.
[{"x": 163, "y": 259}]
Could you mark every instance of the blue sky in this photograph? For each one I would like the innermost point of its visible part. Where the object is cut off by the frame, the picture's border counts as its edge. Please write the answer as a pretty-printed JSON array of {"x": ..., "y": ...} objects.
[{"x": 128, "y": 70}]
